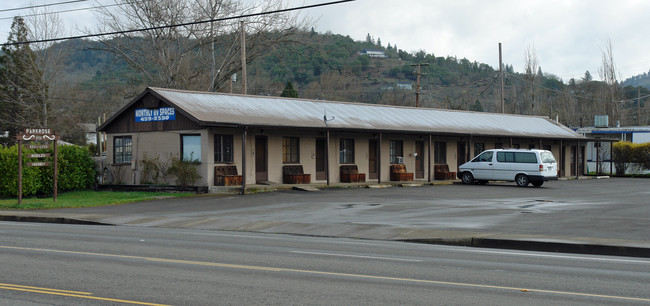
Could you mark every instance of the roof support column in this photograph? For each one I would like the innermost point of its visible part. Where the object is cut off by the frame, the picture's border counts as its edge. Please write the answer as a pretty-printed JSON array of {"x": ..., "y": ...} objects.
[
  {"x": 379, "y": 160},
  {"x": 611, "y": 157},
  {"x": 243, "y": 160},
  {"x": 597, "y": 158},
  {"x": 429, "y": 168},
  {"x": 577, "y": 157},
  {"x": 327, "y": 157},
  {"x": 561, "y": 162}
]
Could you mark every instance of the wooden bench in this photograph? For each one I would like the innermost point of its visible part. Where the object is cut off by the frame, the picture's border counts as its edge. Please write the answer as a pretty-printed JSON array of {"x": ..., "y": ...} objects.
[
  {"x": 294, "y": 174},
  {"x": 226, "y": 176},
  {"x": 398, "y": 173},
  {"x": 350, "y": 174},
  {"x": 441, "y": 172}
]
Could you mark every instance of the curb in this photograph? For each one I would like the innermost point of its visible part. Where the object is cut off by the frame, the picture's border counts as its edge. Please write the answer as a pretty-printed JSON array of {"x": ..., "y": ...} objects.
[{"x": 58, "y": 220}]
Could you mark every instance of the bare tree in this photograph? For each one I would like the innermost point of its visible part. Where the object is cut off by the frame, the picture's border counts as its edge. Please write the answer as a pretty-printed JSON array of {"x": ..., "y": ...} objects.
[
  {"x": 198, "y": 55},
  {"x": 50, "y": 59},
  {"x": 607, "y": 74},
  {"x": 531, "y": 66}
]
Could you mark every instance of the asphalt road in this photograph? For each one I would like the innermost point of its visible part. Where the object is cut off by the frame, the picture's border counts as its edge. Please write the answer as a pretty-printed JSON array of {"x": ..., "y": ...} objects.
[{"x": 57, "y": 264}]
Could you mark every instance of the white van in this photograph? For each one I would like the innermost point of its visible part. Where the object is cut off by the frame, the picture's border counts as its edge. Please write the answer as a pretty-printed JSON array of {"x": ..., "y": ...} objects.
[{"x": 518, "y": 165}]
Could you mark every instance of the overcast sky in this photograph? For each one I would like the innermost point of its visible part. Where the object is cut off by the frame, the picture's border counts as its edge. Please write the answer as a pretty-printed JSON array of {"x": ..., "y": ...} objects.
[{"x": 568, "y": 36}]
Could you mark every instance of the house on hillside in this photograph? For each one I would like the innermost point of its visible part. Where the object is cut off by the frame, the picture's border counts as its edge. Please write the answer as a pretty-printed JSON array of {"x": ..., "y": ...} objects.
[
  {"x": 373, "y": 53},
  {"x": 241, "y": 139}
]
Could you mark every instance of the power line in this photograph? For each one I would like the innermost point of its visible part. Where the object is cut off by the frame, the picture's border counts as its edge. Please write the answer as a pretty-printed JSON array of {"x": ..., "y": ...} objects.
[
  {"x": 41, "y": 5},
  {"x": 570, "y": 94},
  {"x": 180, "y": 24},
  {"x": 67, "y": 11}
]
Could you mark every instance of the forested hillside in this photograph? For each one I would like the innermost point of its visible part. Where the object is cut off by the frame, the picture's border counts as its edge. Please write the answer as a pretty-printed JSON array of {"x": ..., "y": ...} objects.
[
  {"x": 95, "y": 80},
  {"x": 333, "y": 67}
]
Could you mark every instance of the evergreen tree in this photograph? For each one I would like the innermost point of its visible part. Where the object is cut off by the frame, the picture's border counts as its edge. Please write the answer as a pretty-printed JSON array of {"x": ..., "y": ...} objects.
[
  {"x": 22, "y": 90},
  {"x": 289, "y": 91},
  {"x": 369, "y": 39}
]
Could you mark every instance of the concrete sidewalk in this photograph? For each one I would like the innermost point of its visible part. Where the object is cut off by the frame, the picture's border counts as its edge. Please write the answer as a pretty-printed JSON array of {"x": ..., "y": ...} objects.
[{"x": 397, "y": 213}]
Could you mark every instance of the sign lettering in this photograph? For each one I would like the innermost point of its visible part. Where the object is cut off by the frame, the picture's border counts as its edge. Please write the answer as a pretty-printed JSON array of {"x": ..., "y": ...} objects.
[
  {"x": 159, "y": 114},
  {"x": 38, "y": 155},
  {"x": 38, "y": 131},
  {"x": 38, "y": 164},
  {"x": 37, "y": 146}
]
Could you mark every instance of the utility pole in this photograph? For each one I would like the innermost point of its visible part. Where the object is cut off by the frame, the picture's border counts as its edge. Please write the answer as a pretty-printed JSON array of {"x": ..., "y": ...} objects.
[
  {"x": 243, "y": 58},
  {"x": 417, "y": 93},
  {"x": 503, "y": 108},
  {"x": 638, "y": 106}
]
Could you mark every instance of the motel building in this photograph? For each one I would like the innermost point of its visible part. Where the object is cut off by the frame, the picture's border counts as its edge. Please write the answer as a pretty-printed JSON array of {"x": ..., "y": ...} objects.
[{"x": 241, "y": 140}]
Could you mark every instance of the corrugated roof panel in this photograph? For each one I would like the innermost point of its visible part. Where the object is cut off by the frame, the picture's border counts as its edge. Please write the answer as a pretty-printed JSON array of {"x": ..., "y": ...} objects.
[{"x": 273, "y": 111}]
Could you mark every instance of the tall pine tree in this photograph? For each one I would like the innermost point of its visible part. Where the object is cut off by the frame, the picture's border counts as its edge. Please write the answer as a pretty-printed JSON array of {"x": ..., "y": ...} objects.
[{"x": 22, "y": 90}]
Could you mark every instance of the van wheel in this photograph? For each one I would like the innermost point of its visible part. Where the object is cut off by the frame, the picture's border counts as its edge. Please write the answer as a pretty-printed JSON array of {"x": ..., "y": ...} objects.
[
  {"x": 537, "y": 183},
  {"x": 467, "y": 178},
  {"x": 522, "y": 180}
]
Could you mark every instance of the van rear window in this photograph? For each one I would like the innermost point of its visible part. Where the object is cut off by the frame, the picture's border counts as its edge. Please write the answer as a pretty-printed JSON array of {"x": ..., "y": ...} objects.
[
  {"x": 547, "y": 157},
  {"x": 517, "y": 157}
]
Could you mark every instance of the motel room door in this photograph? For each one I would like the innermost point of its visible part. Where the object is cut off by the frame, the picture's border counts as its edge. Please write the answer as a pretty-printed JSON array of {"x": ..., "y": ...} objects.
[
  {"x": 372, "y": 159},
  {"x": 261, "y": 162},
  {"x": 461, "y": 154},
  {"x": 419, "y": 159},
  {"x": 321, "y": 173}
]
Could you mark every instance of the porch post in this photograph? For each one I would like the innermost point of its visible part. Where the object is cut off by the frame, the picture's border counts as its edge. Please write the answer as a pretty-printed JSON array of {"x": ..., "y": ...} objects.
[
  {"x": 561, "y": 164},
  {"x": 429, "y": 162},
  {"x": 611, "y": 157},
  {"x": 243, "y": 160},
  {"x": 379, "y": 160},
  {"x": 327, "y": 157},
  {"x": 577, "y": 157},
  {"x": 597, "y": 158}
]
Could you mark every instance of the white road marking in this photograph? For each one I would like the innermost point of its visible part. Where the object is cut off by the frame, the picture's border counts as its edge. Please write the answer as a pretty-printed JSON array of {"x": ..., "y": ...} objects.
[
  {"x": 357, "y": 256},
  {"x": 576, "y": 257}
]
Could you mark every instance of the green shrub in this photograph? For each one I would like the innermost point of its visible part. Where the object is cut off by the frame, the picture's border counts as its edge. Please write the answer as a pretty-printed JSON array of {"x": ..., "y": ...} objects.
[
  {"x": 75, "y": 166},
  {"x": 626, "y": 153},
  {"x": 185, "y": 172}
]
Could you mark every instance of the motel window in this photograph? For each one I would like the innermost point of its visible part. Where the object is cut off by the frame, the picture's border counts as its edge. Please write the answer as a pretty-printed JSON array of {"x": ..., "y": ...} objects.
[
  {"x": 223, "y": 148},
  {"x": 396, "y": 152},
  {"x": 498, "y": 145},
  {"x": 290, "y": 150},
  {"x": 191, "y": 148},
  {"x": 346, "y": 155},
  {"x": 122, "y": 149},
  {"x": 440, "y": 152}
]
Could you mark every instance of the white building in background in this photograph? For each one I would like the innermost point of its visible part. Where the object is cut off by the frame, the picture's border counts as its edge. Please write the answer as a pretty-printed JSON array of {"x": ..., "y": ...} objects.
[
  {"x": 373, "y": 53},
  {"x": 634, "y": 134}
]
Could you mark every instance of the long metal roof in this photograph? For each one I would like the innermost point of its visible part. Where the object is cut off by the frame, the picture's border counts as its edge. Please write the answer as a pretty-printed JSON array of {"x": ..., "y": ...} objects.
[{"x": 244, "y": 110}]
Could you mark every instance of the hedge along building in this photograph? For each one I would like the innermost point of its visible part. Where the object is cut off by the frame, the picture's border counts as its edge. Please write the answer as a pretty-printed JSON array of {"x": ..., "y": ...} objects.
[{"x": 261, "y": 136}]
